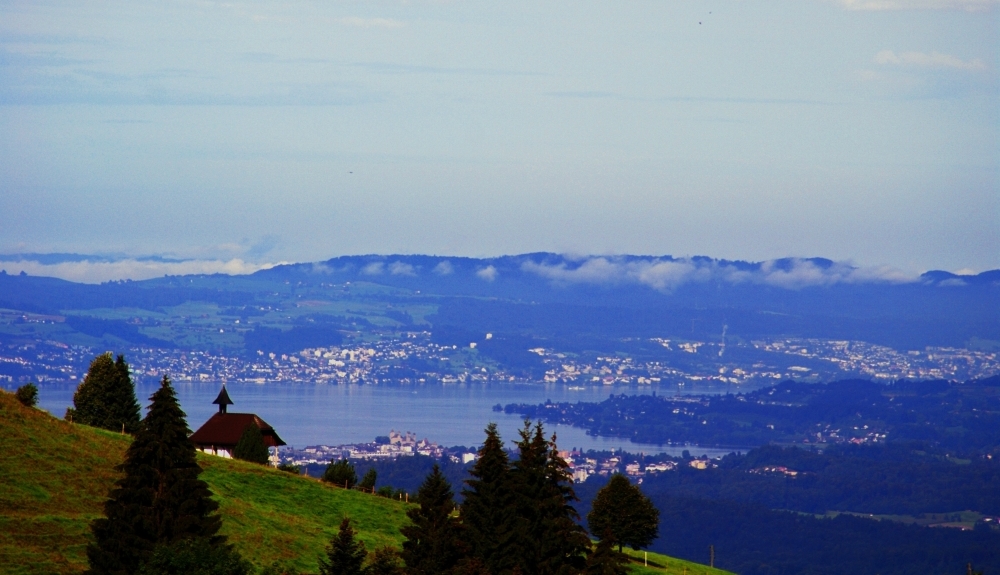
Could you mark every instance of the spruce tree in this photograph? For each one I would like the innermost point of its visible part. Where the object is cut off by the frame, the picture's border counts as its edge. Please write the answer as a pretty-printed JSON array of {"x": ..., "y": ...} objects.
[
  {"x": 434, "y": 544},
  {"x": 623, "y": 512},
  {"x": 384, "y": 561},
  {"x": 159, "y": 500},
  {"x": 488, "y": 514},
  {"x": 195, "y": 557},
  {"x": 106, "y": 397},
  {"x": 367, "y": 483},
  {"x": 548, "y": 540},
  {"x": 251, "y": 446},
  {"x": 566, "y": 543},
  {"x": 604, "y": 560},
  {"x": 345, "y": 555},
  {"x": 341, "y": 473}
]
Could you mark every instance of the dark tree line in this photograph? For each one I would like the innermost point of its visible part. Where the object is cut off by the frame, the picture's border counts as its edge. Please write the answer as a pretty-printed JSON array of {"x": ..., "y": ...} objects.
[
  {"x": 893, "y": 479},
  {"x": 753, "y": 540},
  {"x": 962, "y": 417},
  {"x": 517, "y": 517}
]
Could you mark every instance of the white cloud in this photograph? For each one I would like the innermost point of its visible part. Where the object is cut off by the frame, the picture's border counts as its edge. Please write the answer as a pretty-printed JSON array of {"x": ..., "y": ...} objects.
[
  {"x": 656, "y": 273},
  {"x": 884, "y": 5},
  {"x": 402, "y": 269},
  {"x": 373, "y": 269},
  {"x": 668, "y": 274},
  {"x": 102, "y": 271},
  {"x": 386, "y": 23},
  {"x": 932, "y": 60},
  {"x": 488, "y": 273},
  {"x": 444, "y": 268}
]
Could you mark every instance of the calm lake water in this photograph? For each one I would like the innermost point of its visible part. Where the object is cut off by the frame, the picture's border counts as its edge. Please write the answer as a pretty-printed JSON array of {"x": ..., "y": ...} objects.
[{"x": 315, "y": 413}]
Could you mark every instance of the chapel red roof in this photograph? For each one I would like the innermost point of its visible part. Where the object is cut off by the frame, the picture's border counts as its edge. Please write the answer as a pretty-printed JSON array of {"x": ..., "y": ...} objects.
[{"x": 224, "y": 430}]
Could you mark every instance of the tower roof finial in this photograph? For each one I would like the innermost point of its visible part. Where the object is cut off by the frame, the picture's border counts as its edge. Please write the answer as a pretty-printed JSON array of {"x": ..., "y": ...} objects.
[{"x": 223, "y": 400}]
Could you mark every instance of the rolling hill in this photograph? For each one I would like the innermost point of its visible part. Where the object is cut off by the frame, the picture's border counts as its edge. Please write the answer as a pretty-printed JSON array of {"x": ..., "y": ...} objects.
[{"x": 55, "y": 476}]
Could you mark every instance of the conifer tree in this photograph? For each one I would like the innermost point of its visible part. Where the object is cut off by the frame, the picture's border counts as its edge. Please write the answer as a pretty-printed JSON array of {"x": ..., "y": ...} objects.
[
  {"x": 548, "y": 539},
  {"x": 434, "y": 544},
  {"x": 566, "y": 543},
  {"x": 384, "y": 561},
  {"x": 488, "y": 515},
  {"x": 624, "y": 513},
  {"x": 604, "y": 560},
  {"x": 251, "y": 446},
  {"x": 345, "y": 555},
  {"x": 367, "y": 483},
  {"x": 106, "y": 398},
  {"x": 159, "y": 500},
  {"x": 195, "y": 557},
  {"x": 341, "y": 473}
]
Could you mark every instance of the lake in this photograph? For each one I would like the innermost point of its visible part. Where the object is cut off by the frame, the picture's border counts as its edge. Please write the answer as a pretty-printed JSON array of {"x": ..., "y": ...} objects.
[{"x": 316, "y": 413}]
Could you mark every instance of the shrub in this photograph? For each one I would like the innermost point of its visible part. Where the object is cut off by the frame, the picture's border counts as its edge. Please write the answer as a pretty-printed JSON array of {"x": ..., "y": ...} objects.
[
  {"x": 251, "y": 446},
  {"x": 27, "y": 394},
  {"x": 341, "y": 473}
]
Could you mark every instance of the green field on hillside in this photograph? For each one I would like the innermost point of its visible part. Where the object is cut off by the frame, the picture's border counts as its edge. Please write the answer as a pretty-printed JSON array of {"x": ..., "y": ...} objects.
[{"x": 55, "y": 476}]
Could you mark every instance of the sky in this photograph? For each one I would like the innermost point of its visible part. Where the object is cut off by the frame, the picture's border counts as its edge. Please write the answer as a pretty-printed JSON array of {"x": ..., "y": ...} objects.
[{"x": 234, "y": 135}]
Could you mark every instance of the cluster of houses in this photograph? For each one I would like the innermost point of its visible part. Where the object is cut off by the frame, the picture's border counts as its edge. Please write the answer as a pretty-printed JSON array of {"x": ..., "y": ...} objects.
[{"x": 396, "y": 444}]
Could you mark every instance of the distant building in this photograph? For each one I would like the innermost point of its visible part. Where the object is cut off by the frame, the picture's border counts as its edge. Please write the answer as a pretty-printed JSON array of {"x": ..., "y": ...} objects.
[{"x": 223, "y": 430}]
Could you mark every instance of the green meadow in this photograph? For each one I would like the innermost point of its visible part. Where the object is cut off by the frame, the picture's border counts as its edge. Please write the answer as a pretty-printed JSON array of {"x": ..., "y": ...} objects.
[{"x": 54, "y": 477}]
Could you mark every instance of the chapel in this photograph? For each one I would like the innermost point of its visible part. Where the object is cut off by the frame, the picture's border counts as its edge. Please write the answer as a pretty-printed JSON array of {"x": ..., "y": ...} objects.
[{"x": 222, "y": 431}]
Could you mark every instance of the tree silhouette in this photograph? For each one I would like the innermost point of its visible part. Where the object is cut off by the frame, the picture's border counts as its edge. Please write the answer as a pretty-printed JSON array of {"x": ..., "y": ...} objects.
[
  {"x": 548, "y": 539},
  {"x": 250, "y": 446},
  {"x": 106, "y": 398},
  {"x": 345, "y": 555},
  {"x": 159, "y": 500},
  {"x": 623, "y": 512},
  {"x": 488, "y": 513},
  {"x": 27, "y": 394},
  {"x": 433, "y": 545},
  {"x": 341, "y": 473},
  {"x": 604, "y": 560},
  {"x": 367, "y": 483}
]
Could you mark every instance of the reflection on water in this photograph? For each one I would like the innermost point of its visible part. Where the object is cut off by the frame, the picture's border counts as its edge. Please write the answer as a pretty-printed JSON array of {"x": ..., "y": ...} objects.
[{"x": 310, "y": 414}]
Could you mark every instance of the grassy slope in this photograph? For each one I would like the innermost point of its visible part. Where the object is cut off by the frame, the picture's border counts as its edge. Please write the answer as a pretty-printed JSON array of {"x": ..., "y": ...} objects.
[{"x": 54, "y": 477}]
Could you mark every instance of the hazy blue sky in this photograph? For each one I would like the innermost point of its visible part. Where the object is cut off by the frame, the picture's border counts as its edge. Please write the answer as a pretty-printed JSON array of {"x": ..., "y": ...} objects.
[{"x": 859, "y": 130}]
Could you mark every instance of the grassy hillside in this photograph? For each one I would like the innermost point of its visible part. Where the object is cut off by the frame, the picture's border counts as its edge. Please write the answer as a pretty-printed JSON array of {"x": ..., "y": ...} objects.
[{"x": 54, "y": 477}]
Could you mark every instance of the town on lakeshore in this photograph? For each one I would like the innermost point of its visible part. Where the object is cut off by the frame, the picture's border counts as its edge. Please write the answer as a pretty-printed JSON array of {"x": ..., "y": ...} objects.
[
  {"x": 414, "y": 358},
  {"x": 405, "y": 444}
]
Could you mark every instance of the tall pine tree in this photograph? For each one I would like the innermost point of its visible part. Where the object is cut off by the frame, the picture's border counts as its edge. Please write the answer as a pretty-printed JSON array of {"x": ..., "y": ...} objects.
[
  {"x": 434, "y": 544},
  {"x": 345, "y": 555},
  {"x": 604, "y": 560},
  {"x": 106, "y": 398},
  {"x": 488, "y": 513},
  {"x": 159, "y": 500},
  {"x": 549, "y": 541}
]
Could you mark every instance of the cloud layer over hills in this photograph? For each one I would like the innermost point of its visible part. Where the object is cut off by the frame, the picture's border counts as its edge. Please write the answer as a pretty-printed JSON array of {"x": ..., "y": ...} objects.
[{"x": 661, "y": 273}]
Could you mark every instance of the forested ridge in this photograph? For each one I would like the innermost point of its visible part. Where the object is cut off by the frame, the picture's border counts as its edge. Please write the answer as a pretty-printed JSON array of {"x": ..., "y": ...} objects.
[{"x": 963, "y": 417}]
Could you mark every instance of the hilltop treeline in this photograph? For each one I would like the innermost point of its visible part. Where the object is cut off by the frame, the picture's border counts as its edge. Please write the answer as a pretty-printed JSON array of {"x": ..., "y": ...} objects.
[{"x": 895, "y": 479}]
